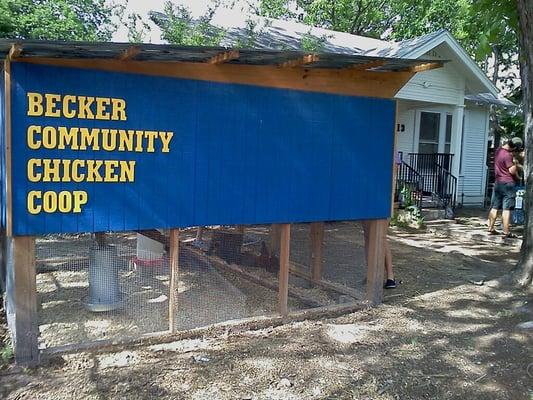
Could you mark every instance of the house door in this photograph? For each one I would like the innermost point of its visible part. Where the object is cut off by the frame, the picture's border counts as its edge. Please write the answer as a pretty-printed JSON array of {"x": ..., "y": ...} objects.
[{"x": 434, "y": 145}]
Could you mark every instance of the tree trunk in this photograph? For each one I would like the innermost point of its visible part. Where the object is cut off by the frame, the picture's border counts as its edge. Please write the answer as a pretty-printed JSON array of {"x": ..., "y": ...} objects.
[{"x": 523, "y": 273}]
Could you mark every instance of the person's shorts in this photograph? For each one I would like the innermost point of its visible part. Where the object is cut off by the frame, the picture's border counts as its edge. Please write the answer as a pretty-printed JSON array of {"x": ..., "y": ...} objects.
[{"x": 503, "y": 196}]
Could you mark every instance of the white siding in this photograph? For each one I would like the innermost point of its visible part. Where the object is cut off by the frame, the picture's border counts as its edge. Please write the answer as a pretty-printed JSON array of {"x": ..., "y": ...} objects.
[
  {"x": 442, "y": 85},
  {"x": 405, "y": 139},
  {"x": 473, "y": 173}
]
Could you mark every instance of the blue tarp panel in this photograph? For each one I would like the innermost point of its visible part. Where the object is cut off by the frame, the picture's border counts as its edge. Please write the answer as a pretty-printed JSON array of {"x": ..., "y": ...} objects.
[{"x": 238, "y": 155}]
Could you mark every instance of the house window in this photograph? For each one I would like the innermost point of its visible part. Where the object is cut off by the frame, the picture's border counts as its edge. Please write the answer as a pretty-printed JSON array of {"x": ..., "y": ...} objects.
[{"x": 429, "y": 133}]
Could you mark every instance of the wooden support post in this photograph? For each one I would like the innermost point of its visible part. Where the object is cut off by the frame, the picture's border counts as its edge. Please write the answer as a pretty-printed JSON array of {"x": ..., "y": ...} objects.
[
  {"x": 275, "y": 234},
  {"x": 174, "y": 269},
  {"x": 377, "y": 229},
  {"x": 317, "y": 237},
  {"x": 22, "y": 299},
  {"x": 285, "y": 242}
]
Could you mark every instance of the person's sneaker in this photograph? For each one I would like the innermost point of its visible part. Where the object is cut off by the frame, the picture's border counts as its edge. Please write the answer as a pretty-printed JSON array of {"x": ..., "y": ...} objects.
[{"x": 390, "y": 284}]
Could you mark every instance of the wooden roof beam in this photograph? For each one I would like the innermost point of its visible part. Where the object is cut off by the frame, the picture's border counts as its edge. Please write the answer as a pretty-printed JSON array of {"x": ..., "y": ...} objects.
[
  {"x": 129, "y": 53},
  {"x": 367, "y": 65},
  {"x": 224, "y": 57},
  {"x": 14, "y": 51},
  {"x": 425, "y": 67},
  {"x": 305, "y": 60}
]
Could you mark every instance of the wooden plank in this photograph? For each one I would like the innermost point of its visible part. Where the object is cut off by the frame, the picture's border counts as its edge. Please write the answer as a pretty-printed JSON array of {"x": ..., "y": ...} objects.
[
  {"x": 173, "y": 286},
  {"x": 129, "y": 53},
  {"x": 338, "y": 81},
  {"x": 377, "y": 230},
  {"x": 298, "y": 62},
  {"x": 224, "y": 57},
  {"x": 233, "y": 327},
  {"x": 284, "y": 253},
  {"x": 425, "y": 67},
  {"x": 275, "y": 237},
  {"x": 23, "y": 293},
  {"x": 368, "y": 65},
  {"x": 7, "y": 149},
  {"x": 394, "y": 153},
  {"x": 317, "y": 238},
  {"x": 14, "y": 51}
]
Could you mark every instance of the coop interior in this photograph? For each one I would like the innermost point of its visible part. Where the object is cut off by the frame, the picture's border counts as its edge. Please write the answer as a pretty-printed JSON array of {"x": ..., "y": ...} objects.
[{"x": 118, "y": 285}]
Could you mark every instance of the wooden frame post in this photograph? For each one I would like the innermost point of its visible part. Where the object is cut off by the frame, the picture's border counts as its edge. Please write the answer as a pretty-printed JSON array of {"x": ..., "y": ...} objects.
[
  {"x": 317, "y": 237},
  {"x": 284, "y": 253},
  {"x": 275, "y": 237},
  {"x": 173, "y": 286},
  {"x": 22, "y": 299},
  {"x": 377, "y": 230}
]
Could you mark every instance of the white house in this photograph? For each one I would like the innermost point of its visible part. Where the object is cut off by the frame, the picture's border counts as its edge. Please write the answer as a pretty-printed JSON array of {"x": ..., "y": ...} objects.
[{"x": 443, "y": 110}]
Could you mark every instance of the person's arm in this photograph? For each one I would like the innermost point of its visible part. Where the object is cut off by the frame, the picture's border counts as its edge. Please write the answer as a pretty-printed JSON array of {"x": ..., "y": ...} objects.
[{"x": 511, "y": 166}]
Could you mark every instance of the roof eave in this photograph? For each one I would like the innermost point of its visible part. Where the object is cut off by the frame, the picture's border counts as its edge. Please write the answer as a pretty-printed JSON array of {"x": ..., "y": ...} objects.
[{"x": 445, "y": 36}]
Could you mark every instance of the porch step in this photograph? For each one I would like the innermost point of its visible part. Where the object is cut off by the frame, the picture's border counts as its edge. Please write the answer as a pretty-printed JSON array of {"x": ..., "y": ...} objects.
[{"x": 432, "y": 214}]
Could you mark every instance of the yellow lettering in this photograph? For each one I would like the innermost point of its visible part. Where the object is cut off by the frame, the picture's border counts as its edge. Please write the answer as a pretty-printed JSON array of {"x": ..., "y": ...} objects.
[
  {"x": 64, "y": 201},
  {"x": 150, "y": 135},
  {"x": 127, "y": 171},
  {"x": 93, "y": 174},
  {"x": 139, "y": 141},
  {"x": 84, "y": 107},
  {"x": 125, "y": 142},
  {"x": 110, "y": 175},
  {"x": 33, "y": 143},
  {"x": 76, "y": 176},
  {"x": 32, "y": 175},
  {"x": 68, "y": 101},
  {"x": 35, "y": 104},
  {"x": 80, "y": 199},
  {"x": 68, "y": 136},
  {"x": 101, "y": 104},
  {"x": 89, "y": 139},
  {"x": 51, "y": 171},
  {"x": 49, "y": 137},
  {"x": 49, "y": 202},
  {"x": 165, "y": 137},
  {"x": 109, "y": 139},
  {"x": 32, "y": 197},
  {"x": 51, "y": 102},
  {"x": 119, "y": 110},
  {"x": 66, "y": 171}
]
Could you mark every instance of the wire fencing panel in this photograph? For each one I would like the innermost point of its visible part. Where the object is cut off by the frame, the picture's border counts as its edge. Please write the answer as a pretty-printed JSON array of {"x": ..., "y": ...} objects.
[
  {"x": 344, "y": 254},
  {"x": 88, "y": 292}
]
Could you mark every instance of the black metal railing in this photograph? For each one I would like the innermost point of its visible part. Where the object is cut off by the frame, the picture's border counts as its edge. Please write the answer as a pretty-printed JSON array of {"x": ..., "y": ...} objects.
[
  {"x": 427, "y": 165},
  {"x": 409, "y": 184},
  {"x": 446, "y": 187}
]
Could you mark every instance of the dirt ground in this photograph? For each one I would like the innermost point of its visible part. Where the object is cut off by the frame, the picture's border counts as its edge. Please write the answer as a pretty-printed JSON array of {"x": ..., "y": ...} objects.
[{"x": 448, "y": 331}]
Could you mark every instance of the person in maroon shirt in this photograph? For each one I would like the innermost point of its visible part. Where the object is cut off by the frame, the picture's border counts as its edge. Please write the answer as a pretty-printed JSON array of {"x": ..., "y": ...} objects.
[{"x": 504, "y": 193}]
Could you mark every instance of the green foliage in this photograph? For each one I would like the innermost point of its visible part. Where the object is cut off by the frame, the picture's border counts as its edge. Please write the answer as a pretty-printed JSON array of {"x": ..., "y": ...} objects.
[
  {"x": 87, "y": 20},
  {"x": 6, "y": 353},
  {"x": 312, "y": 43},
  {"x": 138, "y": 29},
  {"x": 179, "y": 27}
]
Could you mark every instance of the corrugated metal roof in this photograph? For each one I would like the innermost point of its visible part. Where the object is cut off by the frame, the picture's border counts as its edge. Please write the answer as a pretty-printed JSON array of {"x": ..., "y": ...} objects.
[{"x": 169, "y": 53}]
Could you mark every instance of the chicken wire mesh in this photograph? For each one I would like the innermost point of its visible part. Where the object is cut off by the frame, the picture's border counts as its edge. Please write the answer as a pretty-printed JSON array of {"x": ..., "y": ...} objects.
[{"x": 88, "y": 292}]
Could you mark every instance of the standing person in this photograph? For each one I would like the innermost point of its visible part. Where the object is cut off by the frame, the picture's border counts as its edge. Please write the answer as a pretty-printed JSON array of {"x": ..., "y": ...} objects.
[{"x": 504, "y": 192}]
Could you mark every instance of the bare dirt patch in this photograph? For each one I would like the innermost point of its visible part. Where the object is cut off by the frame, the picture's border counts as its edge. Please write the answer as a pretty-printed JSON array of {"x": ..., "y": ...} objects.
[{"x": 448, "y": 332}]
